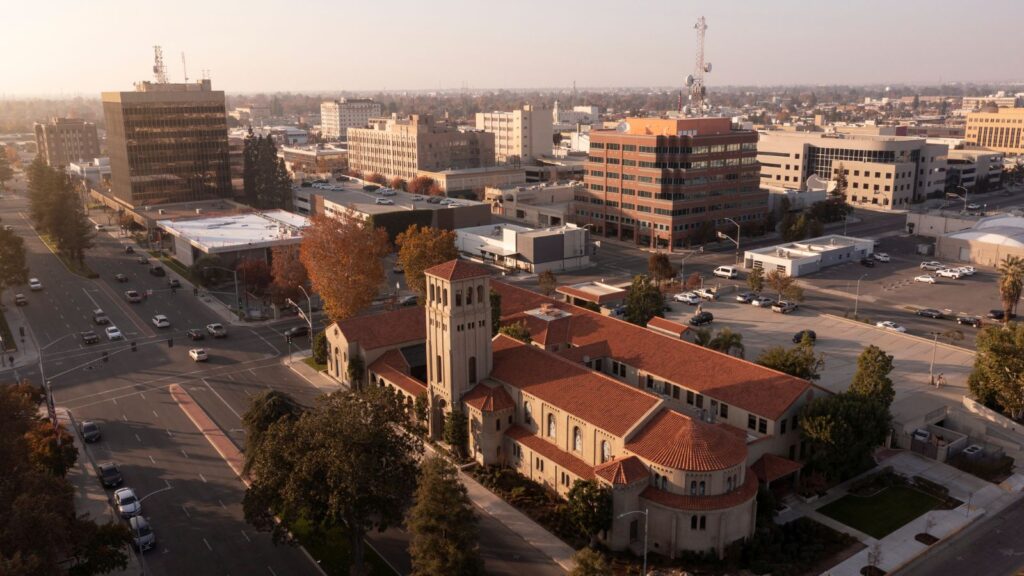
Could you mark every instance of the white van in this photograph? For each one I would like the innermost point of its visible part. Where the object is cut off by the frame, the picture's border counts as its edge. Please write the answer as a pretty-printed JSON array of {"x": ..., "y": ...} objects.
[{"x": 726, "y": 272}]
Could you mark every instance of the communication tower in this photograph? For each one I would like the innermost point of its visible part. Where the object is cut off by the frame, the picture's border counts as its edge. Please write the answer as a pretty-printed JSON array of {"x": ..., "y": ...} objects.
[
  {"x": 158, "y": 65},
  {"x": 695, "y": 81}
]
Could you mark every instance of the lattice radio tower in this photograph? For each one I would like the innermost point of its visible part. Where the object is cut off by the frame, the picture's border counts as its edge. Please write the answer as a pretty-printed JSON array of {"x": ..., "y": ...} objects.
[
  {"x": 695, "y": 81},
  {"x": 158, "y": 65}
]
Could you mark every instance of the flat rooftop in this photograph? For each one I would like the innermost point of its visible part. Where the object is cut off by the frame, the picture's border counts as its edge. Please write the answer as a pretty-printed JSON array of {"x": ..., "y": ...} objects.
[
  {"x": 596, "y": 292},
  {"x": 352, "y": 195},
  {"x": 227, "y": 233},
  {"x": 811, "y": 247}
]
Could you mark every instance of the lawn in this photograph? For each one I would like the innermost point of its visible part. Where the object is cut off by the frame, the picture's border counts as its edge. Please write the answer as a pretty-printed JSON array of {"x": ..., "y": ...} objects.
[
  {"x": 331, "y": 550},
  {"x": 882, "y": 513},
  {"x": 313, "y": 364}
]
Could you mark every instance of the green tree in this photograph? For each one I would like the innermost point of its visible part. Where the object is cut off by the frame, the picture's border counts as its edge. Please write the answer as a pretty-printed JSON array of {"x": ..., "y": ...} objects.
[
  {"x": 356, "y": 371},
  {"x": 659, "y": 268},
  {"x": 456, "y": 432},
  {"x": 547, "y": 282},
  {"x": 442, "y": 524},
  {"x": 784, "y": 285},
  {"x": 347, "y": 464},
  {"x": 422, "y": 247},
  {"x": 6, "y": 172},
  {"x": 755, "y": 279},
  {"x": 495, "y": 312},
  {"x": 701, "y": 336},
  {"x": 728, "y": 342},
  {"x": 13, "y": 269},
  {"x": 799, "y": 361},
  {"x": 590, "y": 562},
  {"x": 266, "y": 182},
  {"x": 320, "y": 347},
  {"x": 420, "y": 408},
  {"x": 841, "y": 182},
  {"x": 643, "y": 301},
  {"x": 843, "y": 431},
  {"x": 590, "y": 507},
  {"x": 997, "y": 379},
  {"x": 872, "y": 377},
  {"x": 517, "y": 330},
  {"x": 265, "y": 410},
  {"x": 1011, "y": 283}
]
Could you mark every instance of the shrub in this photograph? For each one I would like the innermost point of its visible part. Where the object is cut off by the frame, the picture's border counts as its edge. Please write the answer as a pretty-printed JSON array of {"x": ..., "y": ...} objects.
[{"x": 320, "y": 347}]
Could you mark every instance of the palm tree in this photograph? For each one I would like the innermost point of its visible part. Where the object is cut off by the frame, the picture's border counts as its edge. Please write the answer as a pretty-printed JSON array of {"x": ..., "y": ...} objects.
[
  {"x": 701, "y": 337},
  {"x": 728, "y": 341},
  {"x": 1011, "y": 283}
]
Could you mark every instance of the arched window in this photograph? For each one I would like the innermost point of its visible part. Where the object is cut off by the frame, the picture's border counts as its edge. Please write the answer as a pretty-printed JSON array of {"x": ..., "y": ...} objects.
[
  {"x": 701, "y": 487},
  {"x": 577, "y": 439},
  {"x": 458, "y": 297},
  {"x": 527, "y": 412},
  {"x": 693, "y": 487},
  {"x": 432, "y": 293},
  {"x": 472, "y": 369},
  {"x": 469, "y": 296},
  {"x": 551, "y": 425},
  {"x": 606, "y": 451},
  {"x": 664, "y": 482},
  {"x": 480, "y": 294}
]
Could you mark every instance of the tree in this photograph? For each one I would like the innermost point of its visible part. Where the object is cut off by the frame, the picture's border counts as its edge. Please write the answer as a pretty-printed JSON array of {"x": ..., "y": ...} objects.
[
  {"x": 422, "y": 247},
  {"x": 288, "y": 275},
  {"x": 997, "y": 379},
  {"x": 590, "y": 507},
  {"x": 13, "y": 270},
  {"x": 266, "y": 182},
  {"x": 547, "y": 282},
  {"x": 56, "y": 210},
  {"x": 347, "y": 280},
  {"x": 728, "y": 342},
  {"x": 347, "y": 464},
  {"x": 320, "y": 347},
  {"x": 495, "y": 312},
  {"x": 1011, "y": 283},
  {"x": 517, "y": 330},
  {"x": 643, "y": 301},
  {"x": 377, "y": 179},
  {"x": 442, "y": 524},
  {"x": 799, "y": 361},
  {"x": 420, "y": 185},
  {"x": 51, "y": 450},
  {"x": 590, "y": 562},
  {"x": 6, "y": 172},
  {"x": 843, "y": 431},
  {"x": 701, "y": 336},
  {"x": 660, "y": 268},
  {"x": 356, "y": 370},
  {"x": 872, "y": 378},
  {"x": 784, "y": 285},
  {"x": 435, "y": 190},
  {"x": 456, "y": 432},
  {"x": 755, "y": 279},
  {"x": 265, "y": 410},
  {"x": 208, "y": 269},
  {"x": 254, "y": 275},
  {"x": 397, "y": 183},
  {"x": 841, "y": 182}
]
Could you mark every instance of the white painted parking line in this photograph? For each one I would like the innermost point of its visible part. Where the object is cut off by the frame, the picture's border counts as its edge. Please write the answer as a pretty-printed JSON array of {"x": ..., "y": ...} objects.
[
  {"x": 155, "y": 414},
  {"x": 271, "y": 571},
  {"x": 124, "y": 417},
  {"x": 185, "y": 510},
  {"x": 137, "y": 438},
  {"x": 221, "y": 502},
  {"x": 183, "y": 453},
  {"x": 151, "y": 460},
  {"x": 246, "y": 536},
  {"x": 169, "y": 435},
  {"x": 203, "y": 478},
  {"x": 208, "y": 547}
]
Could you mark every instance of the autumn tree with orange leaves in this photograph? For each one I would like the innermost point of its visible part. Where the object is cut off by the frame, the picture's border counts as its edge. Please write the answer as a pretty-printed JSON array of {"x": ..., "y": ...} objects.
[
  {"x": 289, "y": 273},
  {"x": 343, "y": 258},
  {"x": 421, "y": 247}
]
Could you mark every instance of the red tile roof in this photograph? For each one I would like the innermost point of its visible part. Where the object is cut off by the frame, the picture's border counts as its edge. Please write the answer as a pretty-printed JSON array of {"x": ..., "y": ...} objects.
[
  {"x": 770, "y": 467},
  {"x": 457, "y": 270},
  {"x": 488, "y": 398},
  {"x": 601, "y": 400},
  {"x": 744, "y": 493},
  {"x": 372, "y": 331},
  {"x": 550, "y": 451},
  {"x": 682, "y": 443},
  {"x": 623, "y": 471},
  {"x": 731, "y": 380},
  {"x": 674, "y": 328},
  {"x": 393, "y": 368}
]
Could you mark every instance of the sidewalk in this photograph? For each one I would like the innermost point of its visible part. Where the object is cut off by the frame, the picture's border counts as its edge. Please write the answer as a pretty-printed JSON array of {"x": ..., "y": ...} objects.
[
  {"x": 27, "y": 353},
  {"x": 319, "y": 380},
  {"x": 90, "y": 497}
]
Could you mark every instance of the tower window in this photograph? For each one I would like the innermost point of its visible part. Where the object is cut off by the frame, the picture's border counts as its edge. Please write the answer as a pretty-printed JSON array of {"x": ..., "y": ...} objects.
[
  {"x": 577, "y": 439},
  {"x": 469, "y": 296},
  {"x": 458, "y": 297},
  {"x": 480, "y": 293},
  {"x": 472, "y": 369},
  {"x": 551, "y": 425},
  {"x": 444, "y": 297}
]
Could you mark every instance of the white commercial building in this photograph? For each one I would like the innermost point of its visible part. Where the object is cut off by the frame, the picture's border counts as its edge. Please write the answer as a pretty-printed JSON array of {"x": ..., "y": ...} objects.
[
  {"x": 234, "y": 237},
  {"x": 337, "y": 116},
  {"x": 578, "y": 115},
  {"x": 93, "y": 171},
  {"x": 534, "y": 250},
  {"x": 808, "y": 256},
  {"x": 518, "y": 135}
]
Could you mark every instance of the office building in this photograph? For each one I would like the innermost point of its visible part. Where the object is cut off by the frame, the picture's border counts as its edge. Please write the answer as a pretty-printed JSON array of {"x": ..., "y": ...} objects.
[
  {"x": 250, "y": 114},
  {"x": 882, "y": 172},
  {"x": 975, "y": 170},
  {"x": 541, "y": 205},
  {"x": 1000, "y": 99},
  {"x": 661, "y": 181},
  {"x": 317, "y": 160},
  {"x": 533, "y": 250},
  {"x": 61, "y": 141},
  {"x": 577, "y": 115},
  {"x": 1001, "y": 130},
  {"x": 167, "y": 143},
  {"x": 472, "y": 181},
  {"x": 403, "y": 147},
  {"x": 337, "y": 116},
  {"x": 520, "y": 135}
]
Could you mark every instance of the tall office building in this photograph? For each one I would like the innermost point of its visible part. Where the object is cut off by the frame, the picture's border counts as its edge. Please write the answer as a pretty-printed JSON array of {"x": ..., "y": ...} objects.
[
  {"x": 660, "y": 181},
  {"x": 403, "y": 147},
  {"x": 518, "y": 135},
  {"x": 1001, "y": 130},
  {"x": 167, "y": 143},
  {"x": 62, "y": 141},
  {"x": 337, "y": 116}
]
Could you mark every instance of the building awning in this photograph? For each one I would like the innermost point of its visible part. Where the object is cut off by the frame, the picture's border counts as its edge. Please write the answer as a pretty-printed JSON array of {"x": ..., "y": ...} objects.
[{"x": 498, "y": 251}]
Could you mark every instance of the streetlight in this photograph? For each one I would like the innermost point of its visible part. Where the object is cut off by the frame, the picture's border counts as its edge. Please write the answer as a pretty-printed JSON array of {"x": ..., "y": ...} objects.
[
  {"x": 644, "y": 512},
  {"x": 725, "y": 236},
  {"x": 682, "y": 263},
  {"x": 856, "y": 302},
  {"x": 238, "y": 299},
  {"x": 964, "y": 197},
  {"x": 308, "y": 318}
]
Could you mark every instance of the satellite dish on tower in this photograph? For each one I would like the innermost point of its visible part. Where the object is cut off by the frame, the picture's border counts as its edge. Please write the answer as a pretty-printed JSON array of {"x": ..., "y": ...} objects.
[
  {"x": 622, "y": 127},
  {"x": 689, "y": 79},
  {"x": 707, "y": 67}
]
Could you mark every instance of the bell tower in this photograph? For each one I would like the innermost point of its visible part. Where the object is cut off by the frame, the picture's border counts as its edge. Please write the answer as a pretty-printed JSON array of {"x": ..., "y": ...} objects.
[{"x": 458, "y": 335}]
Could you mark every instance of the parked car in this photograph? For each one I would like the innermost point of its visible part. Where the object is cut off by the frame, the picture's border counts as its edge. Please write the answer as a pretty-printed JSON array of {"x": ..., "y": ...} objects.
[
  {"x": 20, "y": 300},
  {"x": 410, "y": 300},
  {"x": 34, "y": 284},
  {"x": 195, "y": 334},
  {"x": 882, "y": 257},
  {"x": 968, "y": 270},
  {"x": 157, "y": 270},
  {"x": 746, "y": 297},
  {"x": 100, "y": 317},
  {"x": 701, "y": 319},
  {"x": 129, "y": 250},
  {"x": 707, "y": 293},
  {"x": 142, "y": 259},
  {"x": 90, "y": 431},
  {"x": 784, "y": 307},
  {"x": 143, "y": 537},
  {"x": 198, "y": 355},
  {"x": 931, "y": 265},
  {"x": 999, "y": 314},
  {"x": 113, "y": 333},
  {"x": 921, "y": 435},
  {"x": 132, "y": 296},
  {"x": 216, "y": 330},
  {"x": 174, "y": 283},
  {"x": 762, "y": 302},
  {"x": 954, "y": 273},
  {"x": 434, "y": 200},
  {"x": 799, "y": 336},
  {"x": 867, "y": 262},
  {"x": 973, "y": 206},
  {"x": 120, "y": 278},
  {"x": 890, "y": 325},
  {"x": 973, "y": 321},
  {"x": 110, "y": 474},
  {"x": 687, "y": 298},
  {"x": 161, "y": 321},
  {"x": 127, "y": 503},
  {"x": 930, "y": 313},
  {"x": 384, "y": 202},
  {"x": 89, "y": 337},
  {"x": 297, "y": 331},
  {"x": 726, "y": 272},
  {"x": 925, "y": 278}
]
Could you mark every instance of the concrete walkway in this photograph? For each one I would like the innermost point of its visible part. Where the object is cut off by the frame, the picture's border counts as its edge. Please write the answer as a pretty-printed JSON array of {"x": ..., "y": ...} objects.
[{"x": 319, "y": 380}]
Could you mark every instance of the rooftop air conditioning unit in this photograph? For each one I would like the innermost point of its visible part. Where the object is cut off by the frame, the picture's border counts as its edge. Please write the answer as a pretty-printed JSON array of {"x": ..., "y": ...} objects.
[
  {"x": 161, "y": 210},
  {"x": 199, "y": 210}
]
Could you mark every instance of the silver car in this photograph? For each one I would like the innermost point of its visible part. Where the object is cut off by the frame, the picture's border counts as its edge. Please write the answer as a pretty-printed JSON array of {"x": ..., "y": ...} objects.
[
  {"x": 127, "y": 503},
  {"x": 143, "y": 537}
]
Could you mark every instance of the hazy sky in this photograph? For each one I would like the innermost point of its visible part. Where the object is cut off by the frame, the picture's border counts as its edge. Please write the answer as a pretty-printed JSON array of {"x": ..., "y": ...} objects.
[{"x": 87, "y": 46}]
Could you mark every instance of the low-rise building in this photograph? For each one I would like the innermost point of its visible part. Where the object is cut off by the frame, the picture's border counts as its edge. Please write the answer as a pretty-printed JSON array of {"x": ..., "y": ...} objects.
[
  {"x": 974, "y": 169},
  {"x": 589, "y": 294},
  {"x": 313, "y": 160},
  {"x": 987, "y": 242},
  {"x": 252, "y": 235},
  {"x": 535, "y": 250},
  {"x": 459, "y": 182},
  {"x": 548, "y": 204},
  {"x": 551, "y": 169},
  {"x": 95, "y": 172},
  {"x": 808, "y": 256},
  {"x": 337, "y": 116},
  {"x": 1001, "y": 130},
  {"x": 251, "y": 114}
]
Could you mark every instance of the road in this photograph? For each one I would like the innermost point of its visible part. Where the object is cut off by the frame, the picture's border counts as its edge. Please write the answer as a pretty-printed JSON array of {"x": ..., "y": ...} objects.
[{"x": 199, "y": 521}]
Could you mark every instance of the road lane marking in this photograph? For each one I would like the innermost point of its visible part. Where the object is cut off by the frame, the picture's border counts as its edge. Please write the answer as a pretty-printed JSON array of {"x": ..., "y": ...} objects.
[
  {"x": 267, "y": 342},
  {"x": 183, "y": 453},
  {"x": 155, "y": 414},
  {"x": 137, "y": 438},
  {"x": 246, "y": 536},
  {"x": 208, "y": 547},
  {"x": 186, "y": 511},
  {"x": 271, "y": 571},
  {"x": 222, "y": 503},
  {"x": 142, "y": 395},
  {"x": 124, "y": 417},
  {"x": 217, "y": 394},
  {"x": 203, "y": 478},
  {"x": 151, "y": 460}
]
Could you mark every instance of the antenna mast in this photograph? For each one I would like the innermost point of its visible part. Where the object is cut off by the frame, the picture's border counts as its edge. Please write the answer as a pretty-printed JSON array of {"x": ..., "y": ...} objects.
[
  {"x": 184, "y": 68},
  {"x": 695, "y": 81},
  {"x": 158, "y": 65}
]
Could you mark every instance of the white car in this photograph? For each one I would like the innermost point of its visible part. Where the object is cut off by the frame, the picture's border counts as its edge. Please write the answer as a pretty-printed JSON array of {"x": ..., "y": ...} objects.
[
  {"x": 384, "y": 202},
  {"x": 762, "y": 302},
  {"x": 113, "y": 333},
  {"x": 932, "y": 265},
  {"x": 882, "y": 257},
  {"x": 954, "y": 273},
  {"x": 161, "y": 321},
  {"x": 127, "y": 503},
  {"x": 925, "y": 278},
  {"x": 687, "y": 298},
  {"x": 890, "y": 325},
  {"x": 707, "y": 293},
  {"x": 967, "y": 270},
  {"x": 198, "y": 355},
  {"x": 34, "y": 284},
  {"x": 726, "y": 272}
]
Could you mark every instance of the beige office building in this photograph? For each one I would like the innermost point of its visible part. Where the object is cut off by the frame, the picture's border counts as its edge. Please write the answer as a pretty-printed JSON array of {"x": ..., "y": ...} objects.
[
  {"x": 337, "y": 116},
  {"x": 404, "y": 147},
  {"x": 518, "y": 135},
  {"x": 62, "y": 141},
  {"x": 882, "y": 172},
  {"x": 1002, "y": 131}
]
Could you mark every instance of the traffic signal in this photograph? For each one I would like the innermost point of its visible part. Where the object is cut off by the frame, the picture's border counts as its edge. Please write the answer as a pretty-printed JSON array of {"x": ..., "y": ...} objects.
[
  {"x": 170, "y": 342},
  {"x": 288, "y": 337},
  {"x": 134, "y": 346}
]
